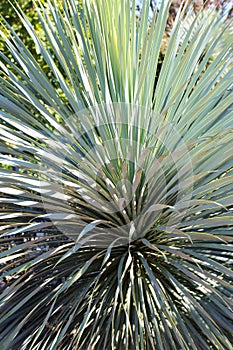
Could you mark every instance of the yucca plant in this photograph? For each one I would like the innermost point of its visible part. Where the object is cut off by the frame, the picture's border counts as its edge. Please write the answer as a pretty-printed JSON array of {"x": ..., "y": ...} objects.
[{"x": 116, "y": 181}]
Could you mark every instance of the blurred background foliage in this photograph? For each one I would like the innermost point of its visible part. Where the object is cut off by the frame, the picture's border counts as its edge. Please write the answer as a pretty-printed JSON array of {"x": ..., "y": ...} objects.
[{"x": 8, "y": 12}]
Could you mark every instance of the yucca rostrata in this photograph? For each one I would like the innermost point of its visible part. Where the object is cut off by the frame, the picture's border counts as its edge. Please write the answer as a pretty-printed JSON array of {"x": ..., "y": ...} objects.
[{"x": 116, "y": 181}]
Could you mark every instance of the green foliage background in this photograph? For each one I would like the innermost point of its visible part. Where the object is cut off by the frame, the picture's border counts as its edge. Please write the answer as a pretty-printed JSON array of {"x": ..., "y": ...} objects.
[{"x": 8, "y": 12}]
